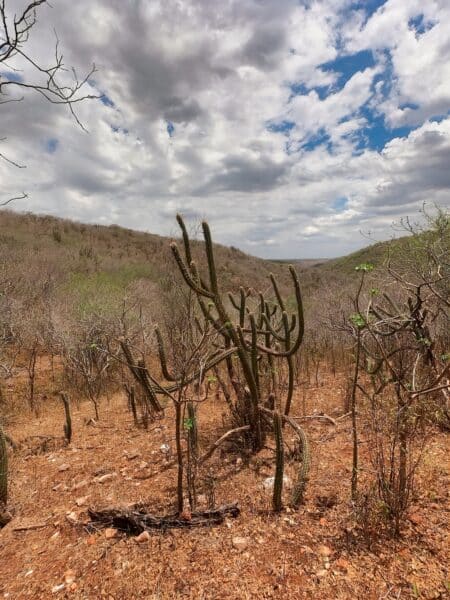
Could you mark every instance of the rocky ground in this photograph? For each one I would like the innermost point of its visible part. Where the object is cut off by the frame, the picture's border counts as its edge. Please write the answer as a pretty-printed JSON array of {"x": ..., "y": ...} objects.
[{"x": 315, "y": 552}]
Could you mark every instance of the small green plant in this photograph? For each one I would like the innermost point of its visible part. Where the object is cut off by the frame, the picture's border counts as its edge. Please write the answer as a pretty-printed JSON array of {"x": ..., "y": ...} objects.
[{"x": 366, "y": 267}]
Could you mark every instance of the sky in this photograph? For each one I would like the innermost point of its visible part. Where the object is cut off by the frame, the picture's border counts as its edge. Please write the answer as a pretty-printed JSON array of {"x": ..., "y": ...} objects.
[{"x": 298, "y": 129}]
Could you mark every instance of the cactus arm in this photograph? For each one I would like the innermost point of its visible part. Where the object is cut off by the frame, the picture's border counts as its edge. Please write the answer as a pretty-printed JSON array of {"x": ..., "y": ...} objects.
[
  {"x": 162, "y": 357},
  {"x": 300, "y": 322},
  {"x": 210, "y": 258},
  {"x": 254, "y": 351},
  {"x": 277, "y": 292},
  {"x": 186, "y": 275},
  {"x": 186, "y": 241},
  {"x": 277, "y": 501},
  {"x": 303, "y": 473}
]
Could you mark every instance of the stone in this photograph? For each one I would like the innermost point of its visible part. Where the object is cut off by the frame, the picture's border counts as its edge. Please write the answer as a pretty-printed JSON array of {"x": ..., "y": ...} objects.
[
  {"x": 72, "y": 517},
  {"x": 105, "y": 478},
  {"x": 269, "y": 482},
  {"x": 111, "y": 533},
  {"x": 240, "y": 543},
  {"x": 82, "y": 500},
  {"x": 142, "y": 538}
]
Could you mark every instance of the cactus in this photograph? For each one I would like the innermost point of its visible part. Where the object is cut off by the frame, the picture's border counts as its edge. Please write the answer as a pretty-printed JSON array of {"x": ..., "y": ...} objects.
[
  {"x": 3, "y": 469},
  {"x": 250, "y": 336},
  {"x": 303, "y": 472},
  {"x": 68, "y": 423},
  {"x": 141, "y": 375},
  {"x": 129, "y": 389},
  {"x": 277, "y": 501}
]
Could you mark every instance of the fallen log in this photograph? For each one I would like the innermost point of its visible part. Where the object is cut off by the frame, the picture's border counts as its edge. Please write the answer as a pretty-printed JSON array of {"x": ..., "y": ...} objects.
[{"x": 136, "y": 519}]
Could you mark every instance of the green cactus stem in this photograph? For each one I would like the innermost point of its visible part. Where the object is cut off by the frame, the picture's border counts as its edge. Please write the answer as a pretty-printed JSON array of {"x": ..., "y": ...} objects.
[{"x": 277, "y": 501}]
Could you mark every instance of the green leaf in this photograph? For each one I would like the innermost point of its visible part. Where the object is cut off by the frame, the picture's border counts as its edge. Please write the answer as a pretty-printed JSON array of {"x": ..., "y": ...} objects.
[
  {"x": 366, "y": 267},
  {"x": 358, "y": 320},
  {"x": 188, "y": 424}
]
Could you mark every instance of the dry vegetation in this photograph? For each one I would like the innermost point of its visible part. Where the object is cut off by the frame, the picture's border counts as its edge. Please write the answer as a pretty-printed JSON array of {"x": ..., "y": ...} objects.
[{"x": 331, "y": 437}]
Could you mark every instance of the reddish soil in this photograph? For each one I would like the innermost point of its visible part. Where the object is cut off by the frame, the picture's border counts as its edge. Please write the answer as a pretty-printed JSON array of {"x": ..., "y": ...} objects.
[{"x": 314, "y": 552}]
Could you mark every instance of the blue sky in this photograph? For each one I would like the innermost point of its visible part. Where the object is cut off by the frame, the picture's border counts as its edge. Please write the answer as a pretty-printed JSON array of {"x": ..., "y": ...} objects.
[{"x": 291, "y": 125}]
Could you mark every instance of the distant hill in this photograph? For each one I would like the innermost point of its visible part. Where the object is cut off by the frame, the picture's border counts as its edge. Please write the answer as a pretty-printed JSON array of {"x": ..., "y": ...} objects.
[
  {"x": 93, "y": 267},
  {"x": 96, "y": 265}
]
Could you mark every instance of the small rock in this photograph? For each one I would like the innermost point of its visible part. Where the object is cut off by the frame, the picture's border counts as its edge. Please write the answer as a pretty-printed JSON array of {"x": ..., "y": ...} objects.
[
  {"x": 341, "y": 564},
  {"x": 81, "y": 501},
  {"x": 69, "y": 577},
  {"x": 111, "y": 533},
  {"x": 143, "y": 465},
  {"x": 269, "y": 482},
  {"x": 80, "y": 484},
  {"x": 58, "y": 588},
  {"x": 240, "y": 543},
  {"x": 133, "y": 455},
  {"x": 142, "y": 538},
  {"x": 321, "y": 573},
  {"x": 104, "y": 478},
  {"x": 64, "y": 467},
  {"x": 325, "y": 551},
  {"x": 72, "y": 517},
  {"x": 164, "y": 448}
]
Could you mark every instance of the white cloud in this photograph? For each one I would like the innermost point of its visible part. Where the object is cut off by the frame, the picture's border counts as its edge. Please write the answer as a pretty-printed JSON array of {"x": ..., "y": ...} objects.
[{"x": 220, "y": 73}]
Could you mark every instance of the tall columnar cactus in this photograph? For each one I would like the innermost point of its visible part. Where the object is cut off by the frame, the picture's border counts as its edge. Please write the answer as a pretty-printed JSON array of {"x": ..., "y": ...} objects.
[
  {"x": 68, "y": 423},
  {"x": 277, "y": 501},
  {"x": 3, "y": 469},
  {"x": 257, "y": 337}
]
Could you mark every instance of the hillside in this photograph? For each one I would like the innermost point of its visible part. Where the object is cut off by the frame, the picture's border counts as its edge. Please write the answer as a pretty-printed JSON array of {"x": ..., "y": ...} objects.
[{"x": 97, "y": 266}]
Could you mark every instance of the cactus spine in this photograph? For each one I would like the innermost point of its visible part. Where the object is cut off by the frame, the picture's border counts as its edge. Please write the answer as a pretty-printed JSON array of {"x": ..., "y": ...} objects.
[{"x": 277, "y": 501}]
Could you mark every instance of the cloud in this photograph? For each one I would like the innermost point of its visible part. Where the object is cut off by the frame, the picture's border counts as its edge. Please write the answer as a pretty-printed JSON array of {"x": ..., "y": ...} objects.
[{"x": 261, "y": 116}]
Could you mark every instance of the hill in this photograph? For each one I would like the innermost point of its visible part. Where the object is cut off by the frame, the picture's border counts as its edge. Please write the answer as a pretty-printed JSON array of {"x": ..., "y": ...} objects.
[{"x": 96, "y": 266}]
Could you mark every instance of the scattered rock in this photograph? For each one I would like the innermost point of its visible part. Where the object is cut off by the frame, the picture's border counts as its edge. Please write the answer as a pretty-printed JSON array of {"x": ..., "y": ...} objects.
[
  {"x": 80, "y": 484},
  {"x": 64, "y": 467},
  {"x": 133, "y": 455},
  {"x": 325, "y": 551},
  {"x": 269, "y": 482},
  {"x": 240, "y": 543},
  {"x": 142, "y": 538},
  {"x": 111, "y": 533},
  {"x": 341, "y": 564},
  {"x": 106, "y": 477},
  {"x": 69, "y": 577},
  {"x": 72, "y": 517},
  {"x": 81, "y": 501}
]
